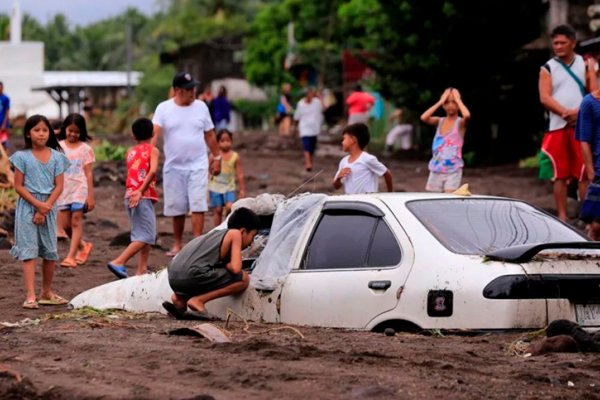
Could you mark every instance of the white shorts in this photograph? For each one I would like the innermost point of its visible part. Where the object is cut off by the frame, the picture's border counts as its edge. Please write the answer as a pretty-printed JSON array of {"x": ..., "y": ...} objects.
[
  {"x": 438, "y": 182},
  {"x": 358, "y": 117},
  {"x": 185, "y": 191}
]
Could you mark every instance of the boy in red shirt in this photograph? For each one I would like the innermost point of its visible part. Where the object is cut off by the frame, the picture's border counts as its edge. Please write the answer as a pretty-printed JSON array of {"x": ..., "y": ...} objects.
[{"x": 140, "y": 196}]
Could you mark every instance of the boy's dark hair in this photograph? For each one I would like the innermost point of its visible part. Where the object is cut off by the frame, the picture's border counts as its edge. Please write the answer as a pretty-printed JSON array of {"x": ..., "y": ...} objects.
[
  {"x": 31, "y": 123},
  {"x": 224, "y": 132},
  {"x": 360, "y": 131},
  {"x": 79, "y": 121},
  {"x": 565, "y": 30},
  {"x": 243, "y": 218},
  {"x": 142, "y": 128}
]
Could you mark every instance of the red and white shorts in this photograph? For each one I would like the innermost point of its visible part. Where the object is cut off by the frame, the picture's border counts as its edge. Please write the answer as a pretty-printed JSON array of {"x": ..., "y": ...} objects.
[{"x": 564, "y": 151}]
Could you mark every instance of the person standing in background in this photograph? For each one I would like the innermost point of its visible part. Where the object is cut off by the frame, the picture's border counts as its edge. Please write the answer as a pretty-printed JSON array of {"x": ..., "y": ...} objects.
[
  {"x": 221, "y": 110},
  {"x": 359, "y": 103},
  {"x": 4, "y": 119},
  {"x": 563, "y": 81}
]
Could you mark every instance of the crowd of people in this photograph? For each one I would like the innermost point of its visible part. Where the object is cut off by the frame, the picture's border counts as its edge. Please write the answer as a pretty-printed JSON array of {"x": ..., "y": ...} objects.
[{"x": 53, "y": 174}]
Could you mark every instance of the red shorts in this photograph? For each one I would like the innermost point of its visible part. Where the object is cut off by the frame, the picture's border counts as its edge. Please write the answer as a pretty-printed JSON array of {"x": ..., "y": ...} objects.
[{"x": 565, "y": 153}]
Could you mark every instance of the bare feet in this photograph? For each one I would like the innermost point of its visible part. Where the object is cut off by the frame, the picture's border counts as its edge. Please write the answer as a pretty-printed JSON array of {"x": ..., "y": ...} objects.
[
  {"x": 196, "y": 305},
  {"x": 180, "y": 303}
]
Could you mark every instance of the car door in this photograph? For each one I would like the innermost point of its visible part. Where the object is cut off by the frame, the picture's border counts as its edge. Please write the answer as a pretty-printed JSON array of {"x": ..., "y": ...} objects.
[{"x": 354, "y": 266}]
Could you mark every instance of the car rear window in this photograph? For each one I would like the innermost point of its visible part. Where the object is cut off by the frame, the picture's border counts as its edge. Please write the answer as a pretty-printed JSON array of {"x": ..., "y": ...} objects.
[{"x": 479, "y": 226}]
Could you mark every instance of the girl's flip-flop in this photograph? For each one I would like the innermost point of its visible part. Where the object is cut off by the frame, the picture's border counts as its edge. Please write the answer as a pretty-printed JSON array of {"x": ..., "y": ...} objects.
[
  {"x": 55, "y": 300},
  {"x": 68, "y": 264},
  {"x": 31, "y": 305},
  {"x": 83, "y": 254}
]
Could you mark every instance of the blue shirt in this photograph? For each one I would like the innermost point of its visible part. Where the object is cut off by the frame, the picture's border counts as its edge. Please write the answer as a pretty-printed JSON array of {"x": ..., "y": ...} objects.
[
  {"x": 221, "y": 109},
  {"x": 588, "y": 127},
  {"x": 4, "y": 106}
]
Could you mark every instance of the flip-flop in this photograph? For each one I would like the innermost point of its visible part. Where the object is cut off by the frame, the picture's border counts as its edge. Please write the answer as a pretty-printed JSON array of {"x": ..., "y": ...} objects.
[
  {"x": 119, "y": 270},
  {"x": 83, "y": 254},
  {"x": 31, "y": 305},
  {"x": 55, "y": 300},
  {"x": 67, "y": 264},
  {"x": 198, "y": 315},
  {"x": 172, "y": 310}
]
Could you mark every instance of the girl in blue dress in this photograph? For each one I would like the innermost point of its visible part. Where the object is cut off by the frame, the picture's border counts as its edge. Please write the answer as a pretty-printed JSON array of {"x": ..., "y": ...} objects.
[{"x": 39, "y": 177}]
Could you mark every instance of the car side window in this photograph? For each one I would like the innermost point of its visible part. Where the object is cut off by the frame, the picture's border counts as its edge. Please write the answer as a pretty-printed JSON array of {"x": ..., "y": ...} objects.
[{"x": 351, "y": 241}]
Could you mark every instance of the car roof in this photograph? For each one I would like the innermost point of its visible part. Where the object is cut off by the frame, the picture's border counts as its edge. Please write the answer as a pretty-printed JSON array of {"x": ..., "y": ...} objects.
[{"x": 409, "y": 196}]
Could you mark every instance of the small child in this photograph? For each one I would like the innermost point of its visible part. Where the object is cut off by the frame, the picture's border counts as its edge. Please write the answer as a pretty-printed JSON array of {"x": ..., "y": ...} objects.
[
  {"x": 446, "y": 165},
  {"x": 359, "y": 171},
  {"x": 210, "y": 266},
  {"x": 140, "y": 196},
  {"x": 39, "y": 177},
  {"x": 78, "y": 193},
  {"x": 222, "y": 187}
]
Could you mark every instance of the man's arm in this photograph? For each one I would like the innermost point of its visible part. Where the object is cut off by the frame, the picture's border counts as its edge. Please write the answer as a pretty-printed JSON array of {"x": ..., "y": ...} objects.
[
  {"x": 211, "y": 142},
  {"x": 155, "y": 136},
  {"x": 588, "y": 160},
  {"x": 545, "y": 91},
  {"x": 591, "y": 81}
]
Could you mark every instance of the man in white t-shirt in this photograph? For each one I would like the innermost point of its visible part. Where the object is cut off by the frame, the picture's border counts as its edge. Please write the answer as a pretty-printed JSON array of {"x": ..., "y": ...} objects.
[
  {"x": 359, "y": 171},
  {"x": 187, "y": 130},
  {"x": 309, "y": 115}
]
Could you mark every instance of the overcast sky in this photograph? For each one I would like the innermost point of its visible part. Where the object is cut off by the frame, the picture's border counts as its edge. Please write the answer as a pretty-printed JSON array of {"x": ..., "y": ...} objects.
[{"x": 79, "y": 12}]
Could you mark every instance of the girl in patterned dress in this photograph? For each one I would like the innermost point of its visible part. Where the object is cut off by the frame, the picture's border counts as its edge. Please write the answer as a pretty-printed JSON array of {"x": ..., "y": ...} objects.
[
  {"x": 39, "y": 177},
  {"x": 78, "y": 194}
]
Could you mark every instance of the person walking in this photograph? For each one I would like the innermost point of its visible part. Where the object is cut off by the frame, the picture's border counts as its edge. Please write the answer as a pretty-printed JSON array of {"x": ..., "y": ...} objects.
[
  {"x": 4, "y": 119},
  {"x": 359, "y": 103},
  {"x": 309, "y": 115},
  {"x": 188, "y": 130},
  {"x": 563, "y": 81}
]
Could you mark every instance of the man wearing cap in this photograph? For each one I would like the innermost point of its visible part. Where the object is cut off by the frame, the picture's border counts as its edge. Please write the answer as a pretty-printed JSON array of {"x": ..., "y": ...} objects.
[{"x": 187, "y": 129}]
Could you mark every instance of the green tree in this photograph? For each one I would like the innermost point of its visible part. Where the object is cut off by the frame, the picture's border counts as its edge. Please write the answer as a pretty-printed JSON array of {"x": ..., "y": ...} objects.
[{"x": 419, "y": 48}]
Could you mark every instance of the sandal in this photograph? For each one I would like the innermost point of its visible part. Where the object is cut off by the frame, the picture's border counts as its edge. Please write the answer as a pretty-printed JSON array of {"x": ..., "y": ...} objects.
[
  {"x": 66, "y": 263},
  {"x": 31, "y": 305},
  {"x": 55, "y": 300},
  {"x": 84, "y": 253},
  {"x": 119, "y": 270}
]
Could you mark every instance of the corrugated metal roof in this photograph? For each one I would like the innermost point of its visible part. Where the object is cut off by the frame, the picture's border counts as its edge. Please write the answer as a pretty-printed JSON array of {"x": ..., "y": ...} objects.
[{"x": 63, "y": 79}]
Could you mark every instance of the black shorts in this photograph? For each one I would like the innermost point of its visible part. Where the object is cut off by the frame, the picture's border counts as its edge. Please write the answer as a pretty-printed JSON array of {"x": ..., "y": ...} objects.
[{"x": 204, "y": 280}]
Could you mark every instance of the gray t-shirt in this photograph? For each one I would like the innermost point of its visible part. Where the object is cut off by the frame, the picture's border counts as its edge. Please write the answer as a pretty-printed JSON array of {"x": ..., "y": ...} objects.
[{"x": 197, "y": 255}]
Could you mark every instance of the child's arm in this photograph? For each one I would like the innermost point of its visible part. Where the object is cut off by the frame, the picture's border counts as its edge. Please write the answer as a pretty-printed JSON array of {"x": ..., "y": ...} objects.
[
  {"x": 464, "y": 111},
  {"x": 427, "y": 117},
  {"x": 240, "y": 177},
  {"x": 135, "y": 197},
  {"x": 591, "y": 81},
  {"x": 337, "y": 179},
  {"x": 232, "y": 245},
  {"x": 40, "y": 206},
  {"x": 388, "y": 181},
  {"x": 87, "y": 169}
]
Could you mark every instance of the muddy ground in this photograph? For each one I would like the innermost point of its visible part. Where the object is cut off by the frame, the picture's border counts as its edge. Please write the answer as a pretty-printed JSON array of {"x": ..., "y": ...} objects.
[{"x": 52, "y": 353}]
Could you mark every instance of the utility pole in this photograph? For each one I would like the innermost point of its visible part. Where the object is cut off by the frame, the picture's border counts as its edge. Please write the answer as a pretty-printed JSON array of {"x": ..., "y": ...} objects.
[{"x": 128, "y": 46}]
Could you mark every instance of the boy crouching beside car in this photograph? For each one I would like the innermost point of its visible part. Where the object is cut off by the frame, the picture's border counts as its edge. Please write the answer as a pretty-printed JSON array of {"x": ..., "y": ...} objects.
[{"x": 210, "y": 266}]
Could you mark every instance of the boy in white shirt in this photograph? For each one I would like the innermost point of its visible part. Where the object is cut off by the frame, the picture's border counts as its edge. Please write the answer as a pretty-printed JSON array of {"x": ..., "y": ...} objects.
[
  {"x": 309, "y": 115},
  {"x": 359, "y": 171}
]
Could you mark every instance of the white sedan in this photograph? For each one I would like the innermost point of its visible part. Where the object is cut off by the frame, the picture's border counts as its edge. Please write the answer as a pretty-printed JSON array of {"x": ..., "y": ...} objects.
[{"x": 405, "y": 261}]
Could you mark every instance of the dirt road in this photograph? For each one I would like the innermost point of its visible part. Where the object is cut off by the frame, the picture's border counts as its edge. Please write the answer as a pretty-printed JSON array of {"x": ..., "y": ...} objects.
[{"x": 55, "y": 354}]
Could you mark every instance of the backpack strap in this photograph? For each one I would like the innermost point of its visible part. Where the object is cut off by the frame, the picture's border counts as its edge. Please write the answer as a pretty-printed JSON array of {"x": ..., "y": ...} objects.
[{"x": 575, "y": 77}]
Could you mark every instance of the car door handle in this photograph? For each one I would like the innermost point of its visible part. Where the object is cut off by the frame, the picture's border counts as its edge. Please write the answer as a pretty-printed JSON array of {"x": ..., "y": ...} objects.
[{"x": 380, "y": 285}]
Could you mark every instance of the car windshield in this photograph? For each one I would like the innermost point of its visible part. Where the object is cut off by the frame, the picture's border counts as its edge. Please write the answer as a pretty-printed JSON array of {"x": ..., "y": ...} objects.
[{"x": 479, "y": 226}]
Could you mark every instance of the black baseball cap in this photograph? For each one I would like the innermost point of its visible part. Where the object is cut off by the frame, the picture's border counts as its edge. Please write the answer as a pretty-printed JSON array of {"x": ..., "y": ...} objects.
[{"x": 184, "y": 80}]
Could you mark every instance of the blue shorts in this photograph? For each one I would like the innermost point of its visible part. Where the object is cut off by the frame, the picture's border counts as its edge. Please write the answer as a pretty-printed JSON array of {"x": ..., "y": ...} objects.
[
  {"x": 143, "y": 221},
  {"x": 309, "y": 143},
  {"x": 220, "y": 199},
  {"x": 72, "y": 207}
]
